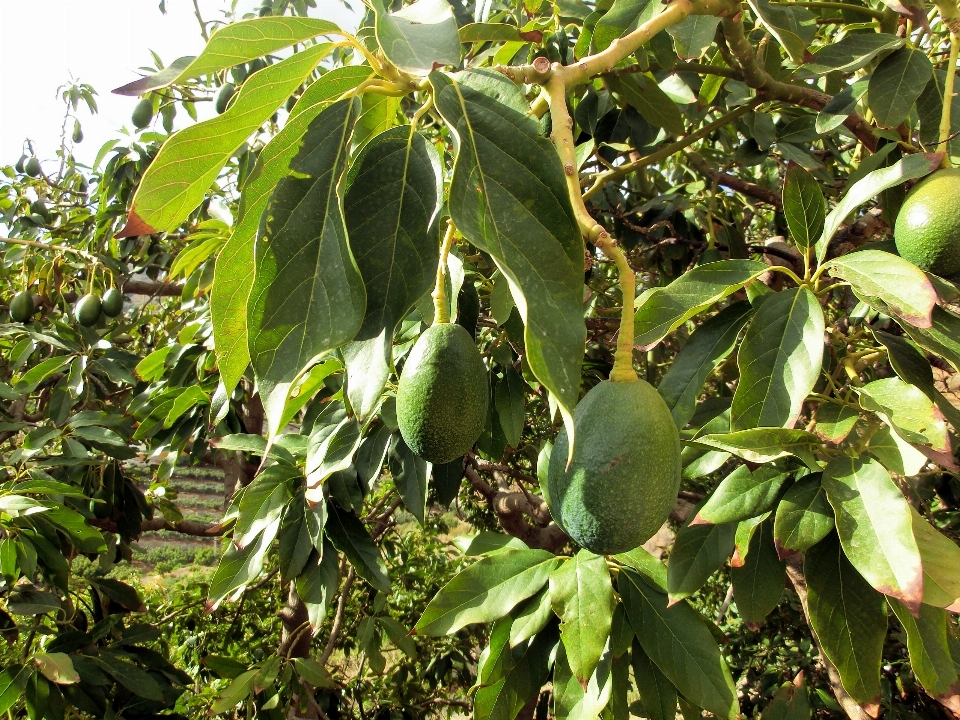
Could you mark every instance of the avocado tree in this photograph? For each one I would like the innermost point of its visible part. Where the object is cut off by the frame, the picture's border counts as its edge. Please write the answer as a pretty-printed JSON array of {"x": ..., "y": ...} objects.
[{"x": 615, "y": 264}]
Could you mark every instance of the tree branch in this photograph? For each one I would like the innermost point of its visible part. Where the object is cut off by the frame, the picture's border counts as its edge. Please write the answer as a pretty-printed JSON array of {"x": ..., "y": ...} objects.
[
  {"x": 184, "y": 527},
  {"x": 698, "y": 163},
  {"x": 337, "y": 626}
]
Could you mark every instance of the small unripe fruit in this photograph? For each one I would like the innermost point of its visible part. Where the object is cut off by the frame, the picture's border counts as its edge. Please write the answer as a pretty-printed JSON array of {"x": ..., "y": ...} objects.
[
  {"x": 142, "y": 114},
  {"x": 224, "y": 97},
  {"x": 112, "y": 303},
  {"x": 87, "y": 310},
  {"x": 22, "y": 307},
  {"x": 32, "y": 167}
]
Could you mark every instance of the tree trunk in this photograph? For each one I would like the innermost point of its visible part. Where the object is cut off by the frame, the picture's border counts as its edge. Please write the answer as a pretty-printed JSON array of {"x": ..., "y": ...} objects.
[{"x": 297, "y": 633}]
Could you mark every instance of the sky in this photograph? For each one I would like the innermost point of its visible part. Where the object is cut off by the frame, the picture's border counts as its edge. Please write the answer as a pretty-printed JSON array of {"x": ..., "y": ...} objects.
[{"x": 103, "y": 43}]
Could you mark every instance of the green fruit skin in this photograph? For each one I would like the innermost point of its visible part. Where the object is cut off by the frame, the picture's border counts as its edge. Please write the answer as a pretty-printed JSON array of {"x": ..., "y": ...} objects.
[
  {"x": 32, "y": 167},
  {"x": 625, "y": 474},
  {"x": 224, "y": 97},
  {"x": 442, "y": 397},
  {"x": 87, "y": 310},
  {"x": 927, "y": 230},
  {"x": 112, "y": 303},
  {"x": 22, "y": 307},
  {"x": 142, "y": 114}
]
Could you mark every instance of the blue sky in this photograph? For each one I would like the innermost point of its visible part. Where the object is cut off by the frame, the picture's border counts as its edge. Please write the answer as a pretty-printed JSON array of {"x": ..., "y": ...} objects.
[{"x": 101, "y": 42}]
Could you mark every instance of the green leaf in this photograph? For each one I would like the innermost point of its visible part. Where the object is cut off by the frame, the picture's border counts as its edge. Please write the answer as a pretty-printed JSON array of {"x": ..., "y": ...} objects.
[
  {"x": 645, "y": 96},
  {"x": 779, "y": 361},
  {"x": 238, "y": 567},
  {"x": 929, "y": 109},
  {"x": 508, "y": 197},
  {"x": 897, "y": 83},
  {"x": 621, "y": 633},
  {"x": 658, "y": 696},
  {"x": 871, "y": 185},
  {"x": 647, "y": 565},
  {"x": 308, "y": 386},
  {"x": 941, "y": 564},
  {"x": 758, "y": 583},
  {"x": 793, "y": 26},
  {"x": 233, "y": 277},
  {"x": 582, "y": 596},
  {"x": 804, "y": 516},
  {"x": 706, "y": 348},
  {"x": 56, "y": 667},
  {"x": 803, "y": 206},
  {"x": 942, "y": 337},
  {"x": 331, "y": 450},
  {"x": 698, "y": 552},
  {"x": 875, "y": 528},
  {"x": 482, "y": 32},
  {"x": 744, "y": 494},
  {"x": 317, "y": 583},
  {"x": 391, "y": 202},
  {"x": 410, "y": 474},
  {"x": 532, "y": 618},
  {"x": 308, "y": 296},
  {"x": 662, "y": 310},
  {"x": 134, "y": 679},
  {"x": 234, "y": 44},
  {"x": 895, "y": 453},
  {"x": 235, "y": 693},
  {"x": 39, "y": 373},
  {"x": 679, "y": 642},
  {"x": 487, "y": 590},
  {"x": 350, "y": 537},
  {"x": 762, "y": 445},
  {"x": 929, "y": 651},
  {"x": 574, "y": 700},
  {"x": 693, "y": 35},
  {"x": 900, "y": 285},
  {"x": 13, "y": 681},
  {"x": 914, "y": 416},
  {"x": 418, "y": 37},
  {"x": 262, "y": 503},
  {"x": 623, "y": 17},
  {"x": 487, "y": 543},
  {"x": 837, "y": 110},
  {"x": 179, "y": 177},
  {"x": 790, "y": 703},
  {"x": 834, "y": 422},
  {"x": 848, "y": 617},
  {"x": 509, "y": 401},
  {"x": 528, "y": 671},
  {"x": 851, "y": 53}
]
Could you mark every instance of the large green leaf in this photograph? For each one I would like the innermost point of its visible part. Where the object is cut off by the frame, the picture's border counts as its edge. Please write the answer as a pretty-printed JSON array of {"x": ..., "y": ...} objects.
[
  {"x": 349, "y": 536},
  {"x": 871, "y": 185},
  {"x": 487, "y": 590},
  {"x": 851, "y": 53},
  {"x": 233, "y": 277},
  {"x": 914, "y": 415},
  {"x": 792, "y": 702},
  {"x": 307, "y": 296},
  {"x": 317, "y": 583},
  {"x": 875, "y": 527},
  {"x": 646, "y": 97},
  {"x": 803, "y": 206},
  {"x": 180, "y": 175},
  {"x": 897, "y": 83},
  {"x": 330, "y": 450},
  {"x": 694, "y": 35},
  {"x": 779, "y": 361},
  {"x": 930, "y": 109},
  {"x": 509, "y": 400},
  {"x": 698, "y": 552},
  {"x": 391, "y": 202},
  {"x": 758, "y": 583},
  {"x": 662, "y": 310},
  {"x": 238, "y": 567},
  {"x": 762, "y": 445},
  {"x": 848, "y": 617},
  {"x": 793, "y": 26},
  {"x": 418, "y": 37},
  {"x": 942, "y": 337},
  {"x": 744, "y": 494},
  {"x": 679, "y": 642},
  {"x": 508, "y": 196},
  {"x": 658, "y": 696},
  {"x": 804, "y": 516},
  {"x": 262, "y": 503},
  {"x": 574, "y": 700},
  {"x": 902, "y": 286},
  {"x": 532, "y": 618},
  {"x": 582, "y": 596},
  {"x": 941, "y": 564},
  {"x": 929, "y": 651},
  {"x": 410, "y": 475},
  {"x": 234, "y": 44},
  {"x": 529, "y": 668},
  {"x": 709, "y": 345}
]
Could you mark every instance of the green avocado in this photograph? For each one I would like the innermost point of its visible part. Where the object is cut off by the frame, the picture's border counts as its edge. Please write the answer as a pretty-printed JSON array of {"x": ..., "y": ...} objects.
[
  {"x": 112, "y": 303},
  {"x": 927, "y": 230},
  {"x": 39, "y": 207},
  {"x": 442, "y": 396},
  {"x": 22, "y": 307},
  {"x": 87, "y": 310},
  {"x": 19, "y": 164},
  {"x": 625, "y": 474},
  {"x": 142, "y": 114},
  {"x": 224, "y": 97},
  {"x": 32, "y": 167}
]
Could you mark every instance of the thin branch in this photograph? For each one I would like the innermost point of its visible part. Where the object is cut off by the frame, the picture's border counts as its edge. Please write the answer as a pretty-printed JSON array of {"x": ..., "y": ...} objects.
[
  {"x": 203, "y": 25},
  {"x": 184, "y": 527},
  {"x": 698, "y": 163},
  {"x": 49, "y": 246},
  {"x": 337, "y": 626}
]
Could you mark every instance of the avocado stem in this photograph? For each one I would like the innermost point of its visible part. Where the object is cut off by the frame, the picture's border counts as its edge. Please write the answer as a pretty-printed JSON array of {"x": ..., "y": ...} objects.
[
  {"x": 623, "y": 357},
  {"x": 441, "y": 308},
  {"x": 948, "y": 93}
]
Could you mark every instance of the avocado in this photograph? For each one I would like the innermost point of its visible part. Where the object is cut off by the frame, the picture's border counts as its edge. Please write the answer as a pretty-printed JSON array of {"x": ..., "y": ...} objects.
[
  {"x": 224, "y": 97},
  {"x": 625, "y": 474},
  {"x": 927, "y": 229},
  {"x": 19, "y": 164},
  {"x": 443, "y": 396},
  {"x": 112, "y": 303},
  {"x": 38, "y": 207},
  {"x": 77, "y": 132},
  {"x": 142, "y": 114},
  {"x": 22, "y": 307},
  {"x": 87, "y": 310},
  {"x": 32, "y": 167}
]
